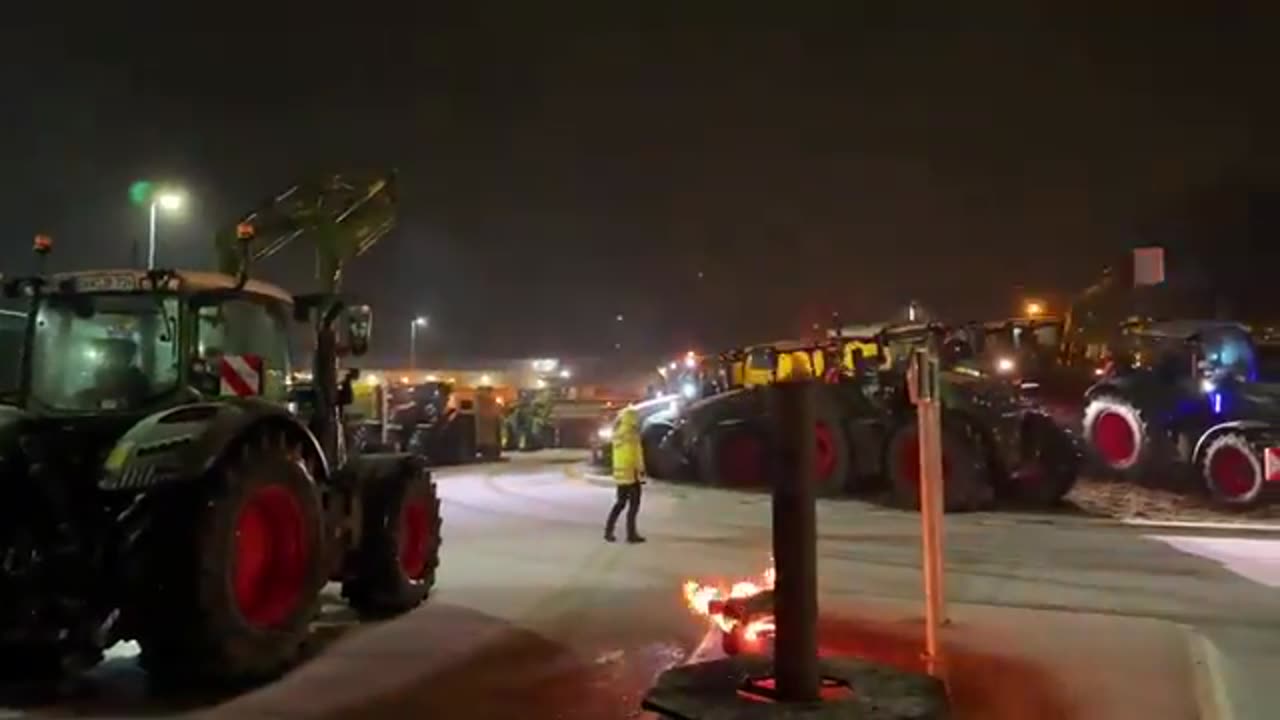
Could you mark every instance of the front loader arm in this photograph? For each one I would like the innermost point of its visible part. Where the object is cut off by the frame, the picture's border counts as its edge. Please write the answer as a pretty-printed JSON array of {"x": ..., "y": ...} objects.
[{"x": 341, "y": 215}]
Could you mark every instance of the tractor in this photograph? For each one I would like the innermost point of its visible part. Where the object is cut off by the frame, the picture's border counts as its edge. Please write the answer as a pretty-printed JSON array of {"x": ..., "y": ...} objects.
[
  {"x": 528, "y": 423},
  {"x": 1200, "y": 394},
  {"x": 164, "y": 483},
  {"x": 996, "y": 444},
  {"x": 445, "y": 427}
]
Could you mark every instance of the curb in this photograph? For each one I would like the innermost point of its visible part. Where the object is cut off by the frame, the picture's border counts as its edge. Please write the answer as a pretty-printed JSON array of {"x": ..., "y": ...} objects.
[
  {"x": 1135, "y": 524},
  {"x": 1212, "y": 698},
  {"x": 587, "y": 474}
]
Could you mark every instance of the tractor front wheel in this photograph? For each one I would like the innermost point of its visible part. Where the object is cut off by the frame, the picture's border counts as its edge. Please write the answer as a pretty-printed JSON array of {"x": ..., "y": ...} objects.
[
  {"x": 235, "y": 570},
  {"x": 966, "y": 475},
  {"x": 395, "y": 565},
  {"x": 1048, "y": 465}
]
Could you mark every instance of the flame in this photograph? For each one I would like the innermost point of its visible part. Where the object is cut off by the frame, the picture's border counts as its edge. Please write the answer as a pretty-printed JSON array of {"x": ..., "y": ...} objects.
[{"x": 699, "y": 597}]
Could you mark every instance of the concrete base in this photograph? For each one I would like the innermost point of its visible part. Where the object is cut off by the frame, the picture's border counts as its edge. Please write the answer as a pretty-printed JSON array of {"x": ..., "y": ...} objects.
[{"x": 854, "y": 690}]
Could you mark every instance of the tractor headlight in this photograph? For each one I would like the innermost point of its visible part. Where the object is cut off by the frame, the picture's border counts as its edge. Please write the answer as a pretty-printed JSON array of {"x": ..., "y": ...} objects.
[
  {"x": 1005, "y": 365},
  {"x": 605, "y": 432}
]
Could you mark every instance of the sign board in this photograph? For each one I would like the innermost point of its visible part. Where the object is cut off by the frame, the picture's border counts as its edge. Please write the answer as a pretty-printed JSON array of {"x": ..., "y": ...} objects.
[{"x": 1148, "y": 266}]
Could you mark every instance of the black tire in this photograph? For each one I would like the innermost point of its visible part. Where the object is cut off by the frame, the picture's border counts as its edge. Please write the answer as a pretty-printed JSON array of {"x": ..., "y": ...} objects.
[
  {"x": 395, "y": 565},
  {"x": 967, "y": 473},
  {"x": 1049, "y": 464},
  {"x": 208, "y": 615},
  {"x": 657, "y": 462},
  {"x": 833, "y": 453},
  {"x": 1119, "y": 437},
  {"x": 733, "y": 456},
  {"x": 1231, "y": 468}
]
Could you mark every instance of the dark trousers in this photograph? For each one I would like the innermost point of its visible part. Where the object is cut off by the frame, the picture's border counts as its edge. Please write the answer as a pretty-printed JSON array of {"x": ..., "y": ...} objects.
[{"x": 628, "y": 498}]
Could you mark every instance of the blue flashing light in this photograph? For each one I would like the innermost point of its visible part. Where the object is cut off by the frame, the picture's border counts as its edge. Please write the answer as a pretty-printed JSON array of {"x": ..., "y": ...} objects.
[{"x": 1217, "y": 402}]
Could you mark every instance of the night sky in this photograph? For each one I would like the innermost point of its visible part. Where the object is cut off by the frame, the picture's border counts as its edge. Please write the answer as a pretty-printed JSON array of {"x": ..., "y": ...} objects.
[{"x": 557, "y": 170}]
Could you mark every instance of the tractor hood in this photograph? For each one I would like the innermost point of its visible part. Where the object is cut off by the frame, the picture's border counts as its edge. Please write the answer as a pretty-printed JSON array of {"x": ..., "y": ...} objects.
[
  {"x": 72, "y": 441},
  {"x": 1261, "y": 401},
  {"x": 700, "y": 416}
]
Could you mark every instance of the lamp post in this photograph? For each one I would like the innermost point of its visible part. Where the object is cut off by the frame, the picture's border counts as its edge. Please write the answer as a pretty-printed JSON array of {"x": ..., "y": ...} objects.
[
  {"x": 168, "y": 201},
  {"x": 419, "y": 322}
]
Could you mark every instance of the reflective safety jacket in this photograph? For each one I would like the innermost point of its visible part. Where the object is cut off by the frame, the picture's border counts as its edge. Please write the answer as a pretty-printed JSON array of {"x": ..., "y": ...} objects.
[{"x": 628, "y": 456}]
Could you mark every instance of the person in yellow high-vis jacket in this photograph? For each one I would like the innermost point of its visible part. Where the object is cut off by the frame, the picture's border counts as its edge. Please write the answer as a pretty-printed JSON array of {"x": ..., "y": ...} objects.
[{"x": 628, "y": 468}]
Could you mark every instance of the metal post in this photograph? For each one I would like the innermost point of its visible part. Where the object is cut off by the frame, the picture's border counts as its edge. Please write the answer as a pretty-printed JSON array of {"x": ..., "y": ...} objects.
[
  {"x": 795, "y": 549},
  {"x": 924, "y": 381},
  {"x": 413, "y": 344},
  {"x": 384, "y": 407},
  {"x": 151, "y": 238}
]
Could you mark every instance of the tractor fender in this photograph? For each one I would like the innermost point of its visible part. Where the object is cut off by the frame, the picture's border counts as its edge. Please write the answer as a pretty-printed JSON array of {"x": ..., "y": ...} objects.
[
  {"x": 1138, "y": 384},
  {"x": 186, "y": 442},
  {"x": 1249, "y": 427}
]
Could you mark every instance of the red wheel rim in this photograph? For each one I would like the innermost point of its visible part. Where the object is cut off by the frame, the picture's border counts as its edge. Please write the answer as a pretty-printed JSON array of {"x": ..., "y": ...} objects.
[
  {"x": 272, "y": 557},
  {"x": 1114, "y": 437},
  {"x": 742, "y": 460},
  {"x": 825, "y": 453},
  {"x": 415, "y": 533},
  {"x": 1231, "y": 472},
  {"x": 909, "y": 460}
]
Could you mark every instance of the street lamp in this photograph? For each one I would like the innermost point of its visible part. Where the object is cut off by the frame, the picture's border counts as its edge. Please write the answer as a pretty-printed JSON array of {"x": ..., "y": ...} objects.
[
  {"x": 419, "y": 322},
  {"x": 169, "y": 201}
]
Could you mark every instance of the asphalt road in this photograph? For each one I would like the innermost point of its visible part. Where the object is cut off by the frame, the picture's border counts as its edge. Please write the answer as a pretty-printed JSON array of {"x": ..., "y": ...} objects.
[{"x": 537, "y": 617}]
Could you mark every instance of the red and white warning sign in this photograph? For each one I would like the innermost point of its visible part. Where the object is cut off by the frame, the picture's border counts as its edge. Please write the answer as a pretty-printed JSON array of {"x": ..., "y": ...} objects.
[
  {"x": 1271, "y": 464},
  {"x": 241, "y": 375}
]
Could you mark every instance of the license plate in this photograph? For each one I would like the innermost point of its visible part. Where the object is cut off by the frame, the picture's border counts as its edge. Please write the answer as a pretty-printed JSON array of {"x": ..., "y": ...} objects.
[
  {"x": 107, "y": 283},
  {"x": 1271, "y": 464}
]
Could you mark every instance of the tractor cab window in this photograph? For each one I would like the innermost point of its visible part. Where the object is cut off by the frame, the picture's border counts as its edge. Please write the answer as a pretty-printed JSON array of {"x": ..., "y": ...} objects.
[
  {"x": 106, "y": 352},
  {"x": 762, "y": 359},
  {"x": 240, "y": 327}
]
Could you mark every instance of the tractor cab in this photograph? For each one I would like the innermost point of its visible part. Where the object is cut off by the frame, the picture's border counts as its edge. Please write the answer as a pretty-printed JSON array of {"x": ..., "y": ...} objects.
[
  {"x": 1018, "y": 348},
  {"x": 130, "y": 341}
]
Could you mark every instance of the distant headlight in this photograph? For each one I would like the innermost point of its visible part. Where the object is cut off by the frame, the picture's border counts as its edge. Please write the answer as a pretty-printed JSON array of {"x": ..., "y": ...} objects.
[
  {"x": 689, "y": 390},
  {"x": 605, "y": 433},
  {"x": 1005, "y": 365}
]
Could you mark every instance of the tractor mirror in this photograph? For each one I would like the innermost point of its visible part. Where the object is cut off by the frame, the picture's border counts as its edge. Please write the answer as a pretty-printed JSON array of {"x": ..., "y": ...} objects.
[{"x": 359, "y": 328}]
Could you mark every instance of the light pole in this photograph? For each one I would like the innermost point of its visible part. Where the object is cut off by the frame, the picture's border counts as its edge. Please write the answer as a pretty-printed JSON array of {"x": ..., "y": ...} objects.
[
  {"x": 168, "y": 201},
  {"x": 419, "y": 322}
]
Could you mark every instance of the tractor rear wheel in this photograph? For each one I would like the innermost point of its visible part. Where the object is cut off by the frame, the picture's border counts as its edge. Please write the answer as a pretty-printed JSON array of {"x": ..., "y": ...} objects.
[
  {"x": 733, "y": 456},
  {"x": 966, "y": 473},
  {"x": 235, "y": 572},
  {"x": 832, "y": 452},
  {"x": 395, "y": 565}
]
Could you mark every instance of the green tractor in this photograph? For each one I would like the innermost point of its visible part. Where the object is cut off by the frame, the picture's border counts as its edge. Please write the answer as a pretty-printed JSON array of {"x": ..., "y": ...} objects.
[
  {"x": 164, "y": 482},
  {"x": 528, "y": 424}
]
